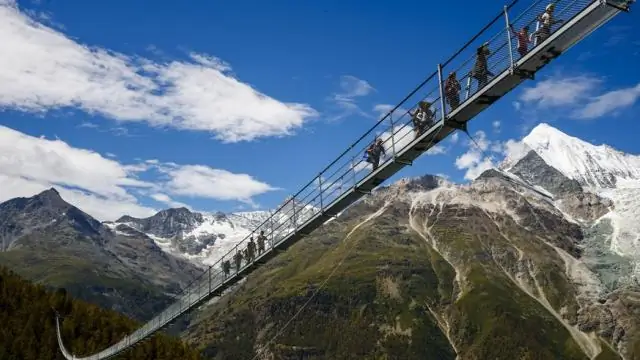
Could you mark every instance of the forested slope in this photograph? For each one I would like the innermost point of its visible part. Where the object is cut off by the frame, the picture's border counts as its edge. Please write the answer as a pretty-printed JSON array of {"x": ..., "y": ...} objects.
[{"x": 28, "y": 326}]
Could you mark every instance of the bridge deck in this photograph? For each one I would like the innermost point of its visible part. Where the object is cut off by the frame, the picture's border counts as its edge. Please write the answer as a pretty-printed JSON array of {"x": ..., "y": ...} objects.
[{"x": 349, "y": 177}]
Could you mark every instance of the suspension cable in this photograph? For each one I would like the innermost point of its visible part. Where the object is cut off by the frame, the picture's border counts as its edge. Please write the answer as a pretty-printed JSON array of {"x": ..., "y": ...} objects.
[{"x": 326, "y": 280}]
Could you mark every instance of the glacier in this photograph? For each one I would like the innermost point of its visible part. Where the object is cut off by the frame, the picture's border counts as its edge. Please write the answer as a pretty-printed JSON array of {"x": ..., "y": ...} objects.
[{"x": 600, "y": 169}]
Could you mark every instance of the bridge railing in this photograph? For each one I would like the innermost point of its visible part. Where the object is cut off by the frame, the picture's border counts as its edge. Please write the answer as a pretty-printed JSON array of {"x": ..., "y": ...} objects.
[
  {"x": 395, "y": 129},
  {"x": 503, "y": 43}
]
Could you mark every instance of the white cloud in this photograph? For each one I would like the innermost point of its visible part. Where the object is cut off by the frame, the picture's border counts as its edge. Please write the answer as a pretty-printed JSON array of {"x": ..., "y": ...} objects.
[
  {"x": 454, "y": 137},
  {"x": 581, "y": 96},
  {"x": 203, "y": 181},
  {"x": 436, "y": 150},
  {"x": 608, "y": 103},
  {"x": 477, "y": 158},
  {"x": 166, "y": 199},
  {"x": 42, "y": 69},
  {"x": 382, "y": 110},
  {"x": 514, "y": 151},
  {"x": 54, "y": 161},
  {"x": 496, "y": 125},
  {"x": 105, "y": 188},
  {"x": 560, "y": 91},
  {"x": 351, "y": 88},
  {"x": 96, "y": 184}
]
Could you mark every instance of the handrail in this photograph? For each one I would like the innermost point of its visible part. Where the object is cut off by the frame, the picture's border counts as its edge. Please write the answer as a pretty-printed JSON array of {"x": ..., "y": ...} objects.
[{"x": 302, "y": 211}]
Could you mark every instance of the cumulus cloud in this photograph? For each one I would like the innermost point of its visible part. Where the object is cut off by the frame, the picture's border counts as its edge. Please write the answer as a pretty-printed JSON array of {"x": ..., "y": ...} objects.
[
  {"x": 203, "y": 181},
  {"x": 382, "y": 110},
  {"x": 353, "y": 87},
  {"x": 514, "y": 151},
  {"x": 454, "y": 137},
  {"x": 43, "y": 69},
  {"x": 496, "y": 125},
  {"x": 478, "y": 158},
  {"x": 104, "y": 187},
  {"x": 608, "y": 103},
  {"x": 560, "y": 91},
  {"x": 580, "y": 97},
  {"x": 166, "y": 199},
  {"x": 402, "y": 136}
]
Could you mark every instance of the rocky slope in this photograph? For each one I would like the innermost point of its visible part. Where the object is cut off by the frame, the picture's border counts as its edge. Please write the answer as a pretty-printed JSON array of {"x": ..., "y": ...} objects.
[
  {"x": 52, "y": 242},
  {"x": 428, "y": 269},
  {"x": 608, "y": 204},
  {"x": 535, "y": 260},
  {"x": 204, "y": 238}
]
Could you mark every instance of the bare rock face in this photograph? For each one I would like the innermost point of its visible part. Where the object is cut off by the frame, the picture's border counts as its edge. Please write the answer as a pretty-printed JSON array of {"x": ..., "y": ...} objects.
[
  {"x": 48, "y": 240},
  {"x": 533, "y": 169},
  {"x": 428, "y": 269},
  {"x": 616, "y": 319},
  {"x": 585, "y": 205},
  {"x": 573, "y": 199}
]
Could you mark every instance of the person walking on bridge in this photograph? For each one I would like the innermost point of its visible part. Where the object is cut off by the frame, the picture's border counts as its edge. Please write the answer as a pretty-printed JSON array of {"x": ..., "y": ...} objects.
[
  {"x": 545, "y": 24},
  {"x": 251, "y": 250},
  {"x": 523, "y": 39},
  {"x": 452, "y": 90},
  {"x": 226, "y": 268},
  {"x": 261, "y": 240},
  {"x": 238, "y": 259},
  {"x": 374, "y": 151},
  {"x": 480, "y": 70},
  {"x": 422, "y": 118}
]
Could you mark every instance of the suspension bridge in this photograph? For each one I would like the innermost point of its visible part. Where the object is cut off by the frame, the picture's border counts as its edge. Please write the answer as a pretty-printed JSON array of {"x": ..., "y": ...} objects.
[{"x": 349, "y": 177}]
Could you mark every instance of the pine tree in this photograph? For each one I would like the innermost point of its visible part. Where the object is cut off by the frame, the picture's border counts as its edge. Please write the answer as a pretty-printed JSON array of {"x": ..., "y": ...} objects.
[{"x": 28, "y": 326}]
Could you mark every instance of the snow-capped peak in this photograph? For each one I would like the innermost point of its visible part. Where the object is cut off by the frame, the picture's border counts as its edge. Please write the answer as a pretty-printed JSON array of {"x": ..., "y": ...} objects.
[
  {"x": 593, "y": 166},
  {"x": 599, "y": 169},
  {"x": 205, "y": 237}
]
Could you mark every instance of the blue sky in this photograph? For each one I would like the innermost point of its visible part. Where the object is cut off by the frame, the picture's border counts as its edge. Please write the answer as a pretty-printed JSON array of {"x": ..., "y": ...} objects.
[{"x": 324, "y": 67}]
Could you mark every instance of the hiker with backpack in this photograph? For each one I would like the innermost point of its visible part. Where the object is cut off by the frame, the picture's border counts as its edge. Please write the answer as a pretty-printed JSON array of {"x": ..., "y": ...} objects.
[
  {"x": 422, "y": 118},
  {"x": 261, "y": 241},
  {"x": 452, "y": 90},
  {"x": 373, "y": 153},
  {"x": 480, "y": 70},
  {"x": 545, "y": 23}
]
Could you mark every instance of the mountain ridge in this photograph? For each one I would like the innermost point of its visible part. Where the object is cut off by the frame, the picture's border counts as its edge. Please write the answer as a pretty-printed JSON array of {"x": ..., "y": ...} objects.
[
  {"x": 421, "y": 256},
  {"x": 48, "y": 240},
  {"x": 444, "y": 269}
]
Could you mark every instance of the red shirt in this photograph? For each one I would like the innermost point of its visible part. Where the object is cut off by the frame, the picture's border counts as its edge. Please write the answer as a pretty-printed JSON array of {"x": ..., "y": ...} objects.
[{"x": 522, "y": 40}]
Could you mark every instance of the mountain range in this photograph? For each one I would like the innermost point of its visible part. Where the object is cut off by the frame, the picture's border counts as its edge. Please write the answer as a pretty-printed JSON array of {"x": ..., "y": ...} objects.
[
  {"x": 536, "y": 259},
  {"x": 47, "y": 240},
  {"x": 547, "y": 243}
]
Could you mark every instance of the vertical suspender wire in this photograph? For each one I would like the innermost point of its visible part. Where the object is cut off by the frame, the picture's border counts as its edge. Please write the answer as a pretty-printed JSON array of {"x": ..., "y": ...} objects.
[
  {"x": 271, "y": 232},
  {"x": 353, "y": 170},
  {"x": 442, "y": 105},
  {"x": 393, "y": 137},
  {"x": 508, "y": 29},
  {"x": 320, "y": 190}
]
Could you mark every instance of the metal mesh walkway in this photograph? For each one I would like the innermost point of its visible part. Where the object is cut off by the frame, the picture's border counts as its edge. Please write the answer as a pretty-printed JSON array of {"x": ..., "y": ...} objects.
[{"x": 504, "y": 64}]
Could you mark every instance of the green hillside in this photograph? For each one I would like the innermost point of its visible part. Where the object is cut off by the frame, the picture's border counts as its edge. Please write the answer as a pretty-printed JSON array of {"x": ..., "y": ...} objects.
[{"x": 28, "y": 326}]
